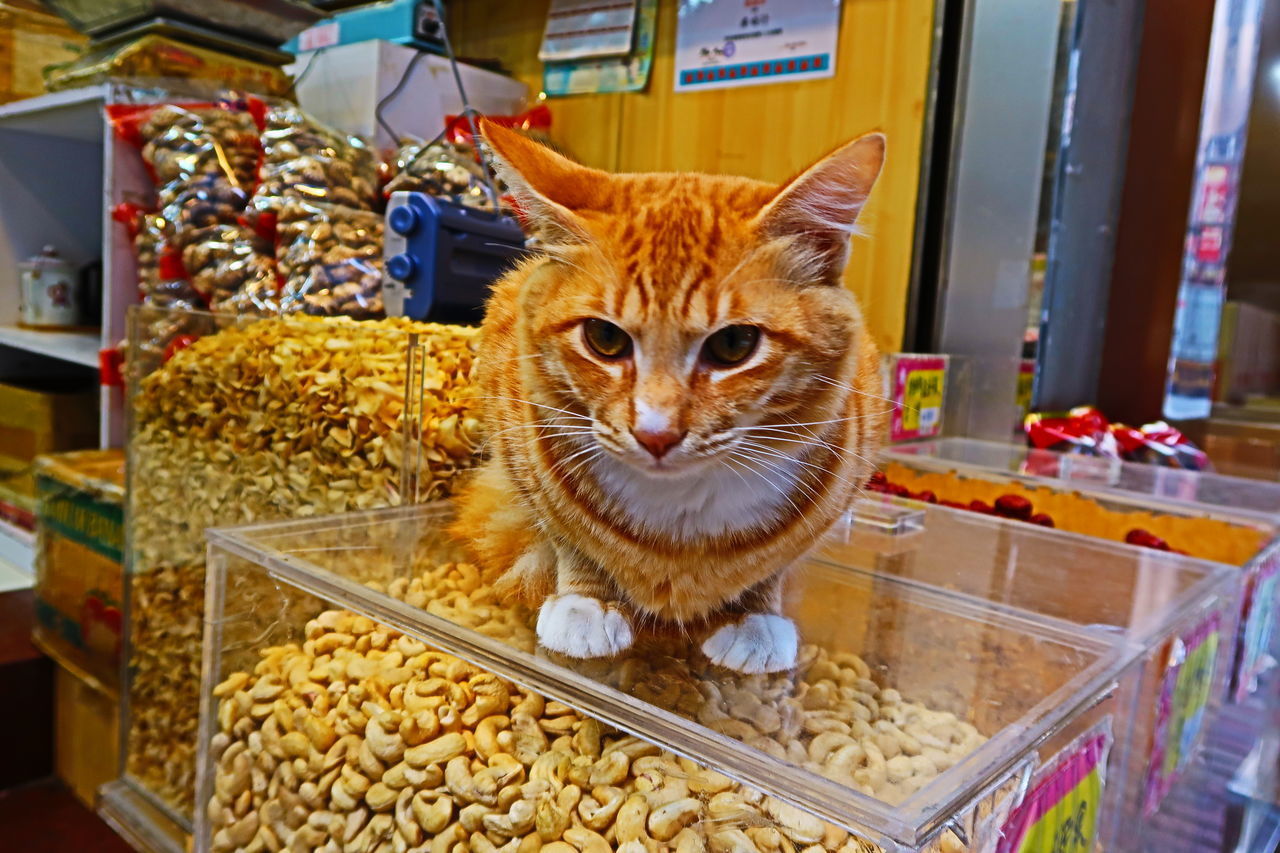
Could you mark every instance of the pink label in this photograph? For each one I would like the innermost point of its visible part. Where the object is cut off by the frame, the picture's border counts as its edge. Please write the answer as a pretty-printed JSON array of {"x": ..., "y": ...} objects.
[
  {"x": 321, "y": 35},
  {"x": 1060, "y": 813},
  {"x": 918, "y": 383}
]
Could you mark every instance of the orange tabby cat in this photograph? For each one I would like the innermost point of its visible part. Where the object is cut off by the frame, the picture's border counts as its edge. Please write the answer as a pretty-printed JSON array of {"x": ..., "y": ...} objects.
[{"x": 680, "y": 395}]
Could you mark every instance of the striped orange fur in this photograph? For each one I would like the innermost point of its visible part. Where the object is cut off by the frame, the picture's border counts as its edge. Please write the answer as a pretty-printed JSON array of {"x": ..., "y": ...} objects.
[{"x": 641, "y": 471}]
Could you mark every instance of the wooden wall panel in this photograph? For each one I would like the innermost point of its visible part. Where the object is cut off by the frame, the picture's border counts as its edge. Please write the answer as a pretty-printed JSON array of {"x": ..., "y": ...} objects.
[{"x": 768, "y": 132}]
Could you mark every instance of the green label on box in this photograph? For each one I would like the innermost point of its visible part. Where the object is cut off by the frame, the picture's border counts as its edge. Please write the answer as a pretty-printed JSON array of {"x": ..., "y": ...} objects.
[
  {"x": 1180, "y": 708},
  {"x": 1190, "y": 697},
  {"x": 97, "y": 525}
]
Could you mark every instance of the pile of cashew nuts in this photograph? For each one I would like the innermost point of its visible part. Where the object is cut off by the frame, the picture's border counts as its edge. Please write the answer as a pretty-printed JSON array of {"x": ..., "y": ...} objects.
[{"x": 361, "y": 739}]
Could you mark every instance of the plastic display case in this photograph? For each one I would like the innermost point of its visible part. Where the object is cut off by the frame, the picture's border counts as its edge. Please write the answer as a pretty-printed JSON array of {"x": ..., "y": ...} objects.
[
  {"x": 362, "y": 685},
  {"x": 1227, "y": 519},
  {"x": 241, "y": 419}
]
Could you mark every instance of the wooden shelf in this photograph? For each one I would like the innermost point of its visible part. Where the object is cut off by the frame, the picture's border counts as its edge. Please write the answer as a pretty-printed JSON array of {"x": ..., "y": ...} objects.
[{"x": 76, "y": 347}]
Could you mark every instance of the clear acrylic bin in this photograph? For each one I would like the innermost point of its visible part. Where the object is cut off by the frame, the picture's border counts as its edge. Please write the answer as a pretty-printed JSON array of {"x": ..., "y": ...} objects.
[
  {"x": 234, "y": 419},
  {"x": 920, "y": 719},
  {"x": 1232, "y": 520},
  {"x": 1141, "y": 594}
]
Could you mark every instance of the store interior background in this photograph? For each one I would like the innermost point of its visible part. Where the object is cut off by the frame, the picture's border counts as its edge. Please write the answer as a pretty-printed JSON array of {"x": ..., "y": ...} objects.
[{"x": 996, "y": 234}]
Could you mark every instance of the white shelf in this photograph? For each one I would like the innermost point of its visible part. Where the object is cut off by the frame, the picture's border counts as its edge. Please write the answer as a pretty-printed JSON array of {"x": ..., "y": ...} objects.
[
  {"x": 17, "y": 549},
  {"x": 75, "y": 114},
  {"x": 77, "y": 347}
]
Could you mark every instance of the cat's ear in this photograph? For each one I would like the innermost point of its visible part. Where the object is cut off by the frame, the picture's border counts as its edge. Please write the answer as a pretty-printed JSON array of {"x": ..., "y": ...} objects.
[
  {"x": 817, "y": 211},
  {"x": 548, "y": 187}
]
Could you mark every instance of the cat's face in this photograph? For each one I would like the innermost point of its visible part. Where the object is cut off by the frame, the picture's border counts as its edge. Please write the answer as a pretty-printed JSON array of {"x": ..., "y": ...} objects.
[{"x": 677, "y": 314}]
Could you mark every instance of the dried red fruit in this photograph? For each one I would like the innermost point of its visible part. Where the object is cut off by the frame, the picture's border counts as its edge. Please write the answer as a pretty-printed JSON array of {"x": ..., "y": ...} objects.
[
  {"x": 1014, "y": 506},
  {"x": 1146, "y": 539},
  {"x": 877, "y": 478},
  {"x": 1043, "y": 519},
  {"x": 926, "y": 496},
  {"x": 981, "y": 506}
]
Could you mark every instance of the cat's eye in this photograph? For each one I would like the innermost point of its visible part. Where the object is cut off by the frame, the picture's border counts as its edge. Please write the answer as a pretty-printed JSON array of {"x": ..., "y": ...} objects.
[
  {"x": 606, "y": 339},
  {"x": 731, "y": 345}
]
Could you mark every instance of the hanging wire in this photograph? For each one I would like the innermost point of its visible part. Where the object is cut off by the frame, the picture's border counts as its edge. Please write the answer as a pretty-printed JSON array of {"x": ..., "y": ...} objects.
[
  {"x": 393, "y": 94},
  {"x": 297, "y": 81},
  {"x": 471, "y": 115}
]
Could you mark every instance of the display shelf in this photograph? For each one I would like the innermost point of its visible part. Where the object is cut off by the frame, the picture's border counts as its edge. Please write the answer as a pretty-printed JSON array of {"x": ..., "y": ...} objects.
[
  {"x": 76, "y": 347},
  {"x": 18, "y": 548},
  {"x": 55, "y": 151},
  {"x": 75, "y": 114},
  {"x": 1030, "y": 672}
]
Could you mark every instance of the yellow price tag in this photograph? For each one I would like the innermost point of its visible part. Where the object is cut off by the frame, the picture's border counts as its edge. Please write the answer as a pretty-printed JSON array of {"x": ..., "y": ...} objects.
[
  {"x": 918, "y": 385},
  {"x": 1072, "y": 825}
]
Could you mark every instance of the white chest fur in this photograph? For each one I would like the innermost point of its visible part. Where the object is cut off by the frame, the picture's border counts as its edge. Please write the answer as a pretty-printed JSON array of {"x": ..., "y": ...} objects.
[{"x": 727, "y": 497}]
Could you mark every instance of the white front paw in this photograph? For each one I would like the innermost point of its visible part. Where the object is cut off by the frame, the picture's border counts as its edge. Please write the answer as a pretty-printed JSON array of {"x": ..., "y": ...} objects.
[
  {"x": 762, "y": 642},
  {"x": 582, "y": 627}
]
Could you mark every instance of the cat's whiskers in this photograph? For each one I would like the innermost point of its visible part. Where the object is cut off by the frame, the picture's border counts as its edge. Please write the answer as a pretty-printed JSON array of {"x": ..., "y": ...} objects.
[
  {"x": 841, "y": 448},
  {"x": 592, "y": 452},
  {"x": 565, "y": 412},
  {"x": 818, "y": 442},
  {"x": 802, "y": 488},
  {"x": 769, "y": 451},
  {"x": 546, "y": 428},
  {"x": 828, "y": 380},
  {"x": 746, "y": 462}
]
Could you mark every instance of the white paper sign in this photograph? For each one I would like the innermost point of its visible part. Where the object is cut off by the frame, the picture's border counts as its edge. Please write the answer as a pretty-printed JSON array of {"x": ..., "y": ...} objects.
[{"x": 722, "y": 43}]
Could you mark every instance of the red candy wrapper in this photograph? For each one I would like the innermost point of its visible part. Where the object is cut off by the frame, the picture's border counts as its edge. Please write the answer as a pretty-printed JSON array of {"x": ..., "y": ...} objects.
[{"x": 1085, "y": 430}]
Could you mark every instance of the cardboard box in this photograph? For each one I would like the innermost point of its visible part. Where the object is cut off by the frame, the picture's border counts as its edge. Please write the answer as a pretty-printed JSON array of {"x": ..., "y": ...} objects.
[
  {"x": 79, "y": 562},
  {"x": 30, "y": 42}
]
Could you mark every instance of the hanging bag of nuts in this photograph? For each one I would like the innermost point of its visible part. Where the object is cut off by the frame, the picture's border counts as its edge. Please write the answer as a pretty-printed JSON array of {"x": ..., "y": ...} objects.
[
  {"x": 204, "y": 159},
  {"x": 330, "y": 260},
  {"x": 303, "y": 160}
]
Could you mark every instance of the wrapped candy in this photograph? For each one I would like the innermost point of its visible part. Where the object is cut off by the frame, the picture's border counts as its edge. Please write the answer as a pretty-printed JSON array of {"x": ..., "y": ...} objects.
[{"x": 1084, "y": 430}]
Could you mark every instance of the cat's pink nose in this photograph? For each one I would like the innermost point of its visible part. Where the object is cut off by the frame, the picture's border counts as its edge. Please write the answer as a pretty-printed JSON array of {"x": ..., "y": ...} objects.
[{"x": 658, "y": 442}]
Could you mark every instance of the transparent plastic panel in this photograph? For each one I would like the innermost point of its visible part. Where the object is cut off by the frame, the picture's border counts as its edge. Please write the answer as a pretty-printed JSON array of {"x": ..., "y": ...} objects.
[
  {"x": 1059, "y": 575},
  {"x": 237, "y": 419},
  {"x": 1074, "y": 574},
  {"x": 913, "y": 710}
]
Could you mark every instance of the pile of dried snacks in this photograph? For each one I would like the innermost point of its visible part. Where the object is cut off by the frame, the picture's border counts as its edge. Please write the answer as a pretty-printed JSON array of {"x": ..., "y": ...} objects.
[
  {"x": 229, "y": 172},
  {"x": 274, "y": 419}
]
